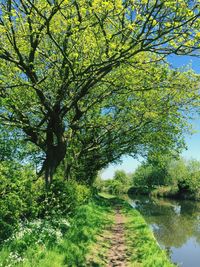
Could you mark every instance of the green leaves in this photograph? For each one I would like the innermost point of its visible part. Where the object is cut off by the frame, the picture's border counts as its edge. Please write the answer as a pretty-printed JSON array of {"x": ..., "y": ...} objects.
[
  {"x": 170, "y": 176},
  {"x": 89, "y": 77}
]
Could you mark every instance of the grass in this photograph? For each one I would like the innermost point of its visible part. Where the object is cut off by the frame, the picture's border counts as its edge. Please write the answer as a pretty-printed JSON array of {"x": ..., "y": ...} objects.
[
  {"x": 106, "y": 195},
  {"x": 85, "y": 242},
  {"x": 142, "y": 246},
  {"x": 89, "y": 221}
]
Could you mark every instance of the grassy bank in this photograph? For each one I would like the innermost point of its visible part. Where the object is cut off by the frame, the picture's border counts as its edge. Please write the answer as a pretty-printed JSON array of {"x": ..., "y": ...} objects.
[
  {"x": 166, "y": 192},
  {"x": 74, "y": 240},
  {"x": 143, "y": 249},
  {"x": 64, "y": 244},
  {"x": 175, "y": 193},
  {"x": 142, "y": 246}
]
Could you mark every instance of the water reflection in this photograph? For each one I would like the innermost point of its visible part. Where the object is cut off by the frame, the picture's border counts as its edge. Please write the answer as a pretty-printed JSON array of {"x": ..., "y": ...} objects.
[{"x": 176, "y": 226}]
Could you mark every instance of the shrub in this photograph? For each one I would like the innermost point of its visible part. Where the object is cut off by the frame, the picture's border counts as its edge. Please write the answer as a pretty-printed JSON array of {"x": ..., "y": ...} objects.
[
  {"x": 165, "y": 191},
  {"x": 18, "y": 197},
  {"x": 62, "y": 198},
  {"x": 23, "y": 198}
]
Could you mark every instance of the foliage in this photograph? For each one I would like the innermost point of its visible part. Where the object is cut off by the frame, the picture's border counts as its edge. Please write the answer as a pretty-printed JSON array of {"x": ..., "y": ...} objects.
[
  {"x": 24, "y": 197},
  {"x": 63, "y": 198},
  {"x": 98, "y": 183},
  {"x": 9, "y": 145},
  {"x": 142, "y": 176},
  {"x": 165, "y": 191},
  {"x": 40, "y": 243},
  {"x": 178, "y": 177},
  {"x": 37, "y": 232},
  {"x": 116, "y": 186},
  {"x": 18, "y": 196},
  {"x": 186, "y": 175},
  {"x": 72, "y": 77},
  {"x": 14, "y": 147},
  {"x": 122, "y": 177}
]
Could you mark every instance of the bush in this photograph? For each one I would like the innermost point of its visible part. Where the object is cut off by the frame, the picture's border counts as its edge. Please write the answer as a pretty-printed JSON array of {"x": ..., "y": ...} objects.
[
  {"x": 165, "y": 191},
  {"x": 35, "y": 237},
  {"x": 38, "y": 232},
  {"x": 62, "y": 198},
  {"x": 23, "y": 198},
  {"x": 18, "y": 197}
]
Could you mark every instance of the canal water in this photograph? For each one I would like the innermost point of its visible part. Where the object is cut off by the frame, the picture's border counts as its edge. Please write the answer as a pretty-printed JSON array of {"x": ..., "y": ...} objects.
[{"x": 176, "y": 226}]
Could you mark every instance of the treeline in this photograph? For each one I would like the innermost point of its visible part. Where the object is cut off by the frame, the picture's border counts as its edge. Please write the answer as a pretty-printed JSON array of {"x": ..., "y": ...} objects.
[
  {"x": 178, "y": 178},
  {"x": 120, "y": 183},
  {"x": 172, "y": 177}
]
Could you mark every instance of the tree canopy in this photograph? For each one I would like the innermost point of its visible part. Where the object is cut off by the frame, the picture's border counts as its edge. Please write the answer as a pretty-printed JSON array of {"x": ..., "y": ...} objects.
[{"x": 85, "y": 80}]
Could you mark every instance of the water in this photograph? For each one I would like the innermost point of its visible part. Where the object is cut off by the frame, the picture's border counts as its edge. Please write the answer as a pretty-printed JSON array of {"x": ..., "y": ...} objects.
[{"x": 176, "y": 226}]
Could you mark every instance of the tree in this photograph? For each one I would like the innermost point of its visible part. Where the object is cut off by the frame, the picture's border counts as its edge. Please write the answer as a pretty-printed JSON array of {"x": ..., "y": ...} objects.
[
  {"x": 186, "y": 175},
  {"x": 121, "y": 176},
  {"x": 133, "y": 121},
  {"x": 178, "y": 171},
  {"x": 59, "y": 60}
]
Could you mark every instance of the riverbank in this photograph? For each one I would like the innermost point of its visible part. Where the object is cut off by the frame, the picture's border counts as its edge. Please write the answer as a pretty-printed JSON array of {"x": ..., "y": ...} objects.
[
  {"x": 172, "y": 192},
  {"x": 104, "y": 232}
]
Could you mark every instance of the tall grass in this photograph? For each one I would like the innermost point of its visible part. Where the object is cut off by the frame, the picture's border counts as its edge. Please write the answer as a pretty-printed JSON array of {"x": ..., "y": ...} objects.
[{"x": 62, "y": 248}]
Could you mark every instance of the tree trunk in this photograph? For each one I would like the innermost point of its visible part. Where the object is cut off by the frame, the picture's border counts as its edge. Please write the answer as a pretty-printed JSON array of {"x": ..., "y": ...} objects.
[
  {"x": 54, "y": 156},
  {"x": 55, "y": 149}
]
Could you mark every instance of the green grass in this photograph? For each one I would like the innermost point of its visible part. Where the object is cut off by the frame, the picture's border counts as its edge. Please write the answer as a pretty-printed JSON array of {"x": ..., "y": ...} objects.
[
  {"x": 142, "y": 246},
  {"x": 84, "y": 243},
  {"x": 106, "y": 195},
  {"x": 89, "y": 221}
]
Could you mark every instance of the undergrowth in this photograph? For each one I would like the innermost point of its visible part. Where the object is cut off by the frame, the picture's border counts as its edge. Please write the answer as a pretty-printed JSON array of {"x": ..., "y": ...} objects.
[{"x": 64, "y": 242}]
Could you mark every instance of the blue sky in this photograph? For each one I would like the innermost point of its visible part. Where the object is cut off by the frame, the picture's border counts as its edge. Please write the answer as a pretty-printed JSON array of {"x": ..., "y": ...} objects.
[{"x": 193, "y": 142}]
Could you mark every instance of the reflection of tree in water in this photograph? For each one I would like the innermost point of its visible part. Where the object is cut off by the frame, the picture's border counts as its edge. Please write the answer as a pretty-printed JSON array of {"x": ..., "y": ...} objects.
[
  {"x": 175, "y": 221},
  {"x": 190, "y": 207}
]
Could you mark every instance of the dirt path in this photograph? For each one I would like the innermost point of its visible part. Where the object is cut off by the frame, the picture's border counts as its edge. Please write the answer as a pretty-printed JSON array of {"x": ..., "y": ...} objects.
[
  {"x": 110, "y": 249},
  {"x": 117, "y": 255}
]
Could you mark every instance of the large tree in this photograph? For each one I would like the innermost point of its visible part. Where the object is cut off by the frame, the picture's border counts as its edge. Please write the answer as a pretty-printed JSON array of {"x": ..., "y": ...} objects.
[
  {"x": 59, "y": 61},
  {"x": 150, "y": 113}
]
